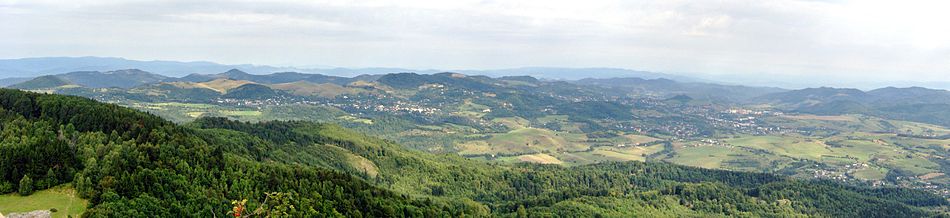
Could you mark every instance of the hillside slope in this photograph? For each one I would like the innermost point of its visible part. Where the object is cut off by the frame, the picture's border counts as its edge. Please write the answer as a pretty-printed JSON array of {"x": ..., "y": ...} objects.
[
  {"x": 131, "y": 164},
  {"x": 43, "y": 82},
  {"x": 609, "y": 189}
]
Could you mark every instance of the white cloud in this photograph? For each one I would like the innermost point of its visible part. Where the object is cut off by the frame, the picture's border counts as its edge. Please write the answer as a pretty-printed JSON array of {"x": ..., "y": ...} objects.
[{"x": 877, "y": 40}]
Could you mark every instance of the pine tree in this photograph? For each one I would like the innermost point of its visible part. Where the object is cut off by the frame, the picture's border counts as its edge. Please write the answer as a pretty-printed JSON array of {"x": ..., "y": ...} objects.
[
  {"x": 522, "y": 213},
  {"x": 51, "y": 179},
  {"x": 26, "y": 186}
]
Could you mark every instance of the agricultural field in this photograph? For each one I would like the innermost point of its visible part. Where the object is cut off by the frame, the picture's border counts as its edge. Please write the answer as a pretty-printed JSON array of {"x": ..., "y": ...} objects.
[
  {"x": 861, "y": 155},
  {"x": 609, "y": 153},
  {"x": 473, "y": 110},
  {"x": 62, "y": 198},
  {"x": 795, "y": 147},
  {"x": 569, "y": 146},
  {"x": 540, "y": 158},
  {"x": 513, "y": 122},
  {"x": 713, "y": 156},
  {"x": 176, "y": 111},
  {"x": 870, "y": 173},
  {"x": 525, "y": 141}
]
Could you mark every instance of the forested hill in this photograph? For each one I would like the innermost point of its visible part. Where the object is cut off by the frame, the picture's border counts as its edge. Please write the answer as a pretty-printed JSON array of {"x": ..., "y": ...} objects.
[{"x": 132, "y": 164}]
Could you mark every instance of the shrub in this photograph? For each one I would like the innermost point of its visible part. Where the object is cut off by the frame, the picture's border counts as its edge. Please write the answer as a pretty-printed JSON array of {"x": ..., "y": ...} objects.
[
  {"x": 6, "y": 187},
  {"x": 26, "y": 186}
]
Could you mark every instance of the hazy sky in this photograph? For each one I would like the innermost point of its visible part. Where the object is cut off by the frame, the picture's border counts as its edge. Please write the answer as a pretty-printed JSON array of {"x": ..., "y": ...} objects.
[{"x": 875, "y": 40}]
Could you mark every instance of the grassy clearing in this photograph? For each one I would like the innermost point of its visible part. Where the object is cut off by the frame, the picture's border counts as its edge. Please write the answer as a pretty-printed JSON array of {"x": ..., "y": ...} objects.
[
  {"x": 539, "y": 158},
  {"x": 222, "y": 85},
  {"x": 711, "y": 157},
  {"x": 524, "y": 141},
  {"x": 639, "y": 139},
  {"x": 628, "y": 153},
  {"x": 534, "y": 138},
  {"x": 241, "y": 113},
  {"x": 472, "y": 109},
  {"x": 822, "y": 118},
  {"x": 797, "y": 147},
  {"x": 578, "y": 158},
  {"x": 512, "y": 122},
  {"x": 870, "y": 173},
  {"x": 619, "y": 156},
  {"x": 930, "y": 176},
  {"x": 863, "y": 150},
  {"x": 916, "y": 165},
  {"x": 195, "y": 114},
  {"x": 63, "y": 198},
  {"x": 362, "y": 164},
  {"x": 552, "y": 118},
  {"x": 353, "y": 119},
  {"x": 919, "y": 128},
  {"x": 181, "y": 105}
]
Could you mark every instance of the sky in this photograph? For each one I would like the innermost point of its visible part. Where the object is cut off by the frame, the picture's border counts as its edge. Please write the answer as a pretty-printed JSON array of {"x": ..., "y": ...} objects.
[{"x": 865, "y": 40}]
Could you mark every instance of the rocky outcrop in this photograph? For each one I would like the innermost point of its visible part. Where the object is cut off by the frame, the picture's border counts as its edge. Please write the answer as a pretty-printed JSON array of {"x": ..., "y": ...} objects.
[{"x": 31, "y": 214}]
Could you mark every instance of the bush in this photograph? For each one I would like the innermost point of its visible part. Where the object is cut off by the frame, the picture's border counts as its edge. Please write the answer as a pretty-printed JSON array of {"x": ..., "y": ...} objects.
[
  {"x": 54, "y": 210},
  {"x": 6, "y": 187},
  {"x": 26, "y": 186}
]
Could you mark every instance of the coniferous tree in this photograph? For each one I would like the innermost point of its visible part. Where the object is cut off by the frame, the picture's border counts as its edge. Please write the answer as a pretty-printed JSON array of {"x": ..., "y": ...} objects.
[{"x": 26, "y": 186}]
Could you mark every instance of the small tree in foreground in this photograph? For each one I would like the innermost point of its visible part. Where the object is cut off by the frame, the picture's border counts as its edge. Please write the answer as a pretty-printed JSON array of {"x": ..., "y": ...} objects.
[{"x": 26, "y": 186}]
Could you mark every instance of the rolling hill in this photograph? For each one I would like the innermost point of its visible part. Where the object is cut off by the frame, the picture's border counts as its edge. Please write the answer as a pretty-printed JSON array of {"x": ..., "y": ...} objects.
[
  {"x": 94, "y": 79},
  {"x": 251, "y": 91},
  {"x": 326, "y": 90},
  {"x": 222, "y": 85},
  {"x": 913, "y": 103},
  {"x": 273, "y": 78},
  {"x": 43, "y": 82},
  {"x": 118, "y": 78}
]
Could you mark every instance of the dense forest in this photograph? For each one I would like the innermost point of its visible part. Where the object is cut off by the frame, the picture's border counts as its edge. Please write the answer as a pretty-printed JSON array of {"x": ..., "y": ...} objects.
[{"x": 133, "y": 164}]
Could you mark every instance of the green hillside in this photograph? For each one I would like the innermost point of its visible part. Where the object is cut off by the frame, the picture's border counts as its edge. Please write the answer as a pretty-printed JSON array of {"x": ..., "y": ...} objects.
[{"x": 43, "y": 82}]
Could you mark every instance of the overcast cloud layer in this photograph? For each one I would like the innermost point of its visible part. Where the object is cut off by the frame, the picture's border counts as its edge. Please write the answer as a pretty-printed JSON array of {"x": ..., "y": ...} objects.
[{"x": 826, "y": 40}]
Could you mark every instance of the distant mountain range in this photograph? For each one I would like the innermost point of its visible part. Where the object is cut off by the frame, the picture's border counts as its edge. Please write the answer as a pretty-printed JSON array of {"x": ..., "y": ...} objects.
[
  {"x": 20, "y": 69},
  {"x": 665, "y": 87},
  {"x": 889, "y": 96},
  {"x": 913, "y": 103},
  {"x": 32, "y": 67},
  {"x": 649, "y": 85},
  {"x": 578, "y": 73},
  {"x": 281, "y": 77}
]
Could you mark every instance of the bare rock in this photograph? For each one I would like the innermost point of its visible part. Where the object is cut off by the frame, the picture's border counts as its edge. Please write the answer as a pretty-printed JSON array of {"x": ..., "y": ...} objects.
[{"x": 31, "y": 214}]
